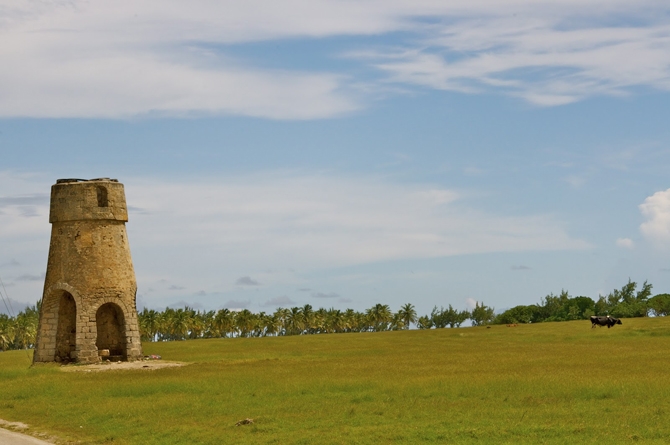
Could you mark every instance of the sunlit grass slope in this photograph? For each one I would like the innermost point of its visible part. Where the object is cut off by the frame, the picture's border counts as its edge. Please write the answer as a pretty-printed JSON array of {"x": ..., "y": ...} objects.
[{"x": 546, "y": 383}]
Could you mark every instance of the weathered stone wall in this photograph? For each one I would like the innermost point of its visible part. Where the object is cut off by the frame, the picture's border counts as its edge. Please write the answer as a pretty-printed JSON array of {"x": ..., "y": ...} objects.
[
  {"x": 89, "y": 259},
  {"x": 83, "y": 200}
]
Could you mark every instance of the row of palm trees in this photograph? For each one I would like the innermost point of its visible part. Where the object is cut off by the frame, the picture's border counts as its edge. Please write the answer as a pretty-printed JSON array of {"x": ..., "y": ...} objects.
[
  {"x": 187, "y": 323},
  {"x": 19, "y": 332}
]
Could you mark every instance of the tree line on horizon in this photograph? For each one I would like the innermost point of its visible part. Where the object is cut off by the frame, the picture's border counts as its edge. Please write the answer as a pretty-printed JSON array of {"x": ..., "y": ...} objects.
[
  {"x": 182, "y": 324},
  {"x": 627, "y": 302}
]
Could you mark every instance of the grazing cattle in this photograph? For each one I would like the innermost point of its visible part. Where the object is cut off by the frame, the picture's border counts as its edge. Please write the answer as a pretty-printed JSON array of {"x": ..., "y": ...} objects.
[{"x": 604, "y": 321}]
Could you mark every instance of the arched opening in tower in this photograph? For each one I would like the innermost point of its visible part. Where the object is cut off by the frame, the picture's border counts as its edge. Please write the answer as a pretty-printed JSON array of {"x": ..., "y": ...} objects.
[
  {"x": 102, "y": 196},
  {"x": 111, "y": 331},
  {"x": 66, "y": 332}
]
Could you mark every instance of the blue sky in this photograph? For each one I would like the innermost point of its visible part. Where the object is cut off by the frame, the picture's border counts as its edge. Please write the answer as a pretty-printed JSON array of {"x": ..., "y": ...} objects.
[{"x": 343, "y": 154}]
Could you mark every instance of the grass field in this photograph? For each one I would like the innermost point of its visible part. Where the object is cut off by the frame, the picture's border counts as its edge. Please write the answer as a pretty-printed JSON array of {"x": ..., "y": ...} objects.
[{"x": 545, "y": 383}]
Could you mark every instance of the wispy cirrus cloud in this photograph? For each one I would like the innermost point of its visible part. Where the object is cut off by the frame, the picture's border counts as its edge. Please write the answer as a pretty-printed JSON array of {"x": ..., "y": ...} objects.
[
  {"x": 543, "y": 58},
  {"x": 97, "y": 60}
]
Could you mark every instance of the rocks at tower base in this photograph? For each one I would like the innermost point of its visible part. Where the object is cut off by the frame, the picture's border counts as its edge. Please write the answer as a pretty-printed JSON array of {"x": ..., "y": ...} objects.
[{"x": 88, "y": 303}]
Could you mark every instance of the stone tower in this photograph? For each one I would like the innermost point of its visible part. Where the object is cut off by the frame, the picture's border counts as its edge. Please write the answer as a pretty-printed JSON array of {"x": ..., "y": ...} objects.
[{"x": 88, "y": 306}]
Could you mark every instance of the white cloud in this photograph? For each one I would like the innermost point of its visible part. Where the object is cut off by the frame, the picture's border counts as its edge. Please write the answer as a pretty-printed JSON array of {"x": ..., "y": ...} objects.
[
  {"x": 626, "y": 243},
  {"x": 81, "y": 59},
  {"x": 321, "y": 221},
  {"x": 656, "y": 209},
  {"x": 114, "y": 60},
  {"x": 207, "y": 233},
  {"x": 141, "y": 83},
  {"x": 470, "y": 303}
]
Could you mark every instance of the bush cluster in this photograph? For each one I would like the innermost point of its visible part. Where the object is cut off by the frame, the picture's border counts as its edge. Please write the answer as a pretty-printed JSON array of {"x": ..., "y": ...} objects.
[{"x": 627, "y": 302}]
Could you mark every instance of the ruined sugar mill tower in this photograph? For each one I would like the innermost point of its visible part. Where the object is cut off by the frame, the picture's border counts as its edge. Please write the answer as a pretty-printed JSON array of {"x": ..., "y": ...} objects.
[{"x": 88, "y": 307}]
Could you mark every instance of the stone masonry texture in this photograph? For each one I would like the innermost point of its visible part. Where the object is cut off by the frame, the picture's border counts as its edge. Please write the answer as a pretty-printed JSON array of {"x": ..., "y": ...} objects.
[{"x": 88, "y": 303}]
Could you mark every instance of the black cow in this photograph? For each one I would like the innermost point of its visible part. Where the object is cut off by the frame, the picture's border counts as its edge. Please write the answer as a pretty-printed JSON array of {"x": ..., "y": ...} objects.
[{"x": 604, "y": 321}]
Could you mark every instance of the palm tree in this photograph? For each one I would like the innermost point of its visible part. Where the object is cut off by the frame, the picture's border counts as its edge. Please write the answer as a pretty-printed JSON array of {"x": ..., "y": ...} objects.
[
  {"x": 273, "y": 324},
  {"x": 282, "y": 315},
  {"x": 197, "y": 324},
  {"x": 295, "y": 321},
  {"x": 407, "y": 314},
  {"x": 149, "y": 324},
  {"x": 335, "y": 321},
  {"x": 351, "y": 320},
  {"x": 307, "y": 318},
  {"x": 360, "y": 322},
  {"x": 180, "y": 323},
  {"x": 397, "y": 322},
  {"x": 207, "y": 319},
  {"x": 318, "y": 322},
  {"x": 379, "y": 316},
  {"x": 223, "y": 323},
  {"x": 165, "y": 331},
  {"x": 260, "y": 325},
  {"x": 245, "y": 322},
  {"x": 25, "y": 328}
]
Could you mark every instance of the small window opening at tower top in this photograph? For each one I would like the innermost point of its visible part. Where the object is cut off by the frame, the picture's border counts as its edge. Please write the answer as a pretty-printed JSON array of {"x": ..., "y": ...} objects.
[{"x": 102, "y": 197}]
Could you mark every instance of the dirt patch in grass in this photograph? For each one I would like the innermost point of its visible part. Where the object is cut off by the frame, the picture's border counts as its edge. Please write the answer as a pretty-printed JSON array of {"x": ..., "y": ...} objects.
[
  {"x": 146, "y": 365},
  {"x": 16, "y": 426},
  {"x": 18, "y": 432}
]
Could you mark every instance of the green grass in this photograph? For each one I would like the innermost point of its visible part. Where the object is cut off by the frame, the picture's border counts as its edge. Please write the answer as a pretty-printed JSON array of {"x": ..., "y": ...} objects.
[{"x": 554, "y": 383}]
